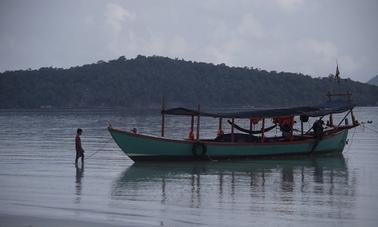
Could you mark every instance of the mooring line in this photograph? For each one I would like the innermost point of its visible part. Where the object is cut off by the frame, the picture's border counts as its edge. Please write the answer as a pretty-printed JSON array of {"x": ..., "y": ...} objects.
[
  {"x": 100, "y": 149},
  {"x": 351, "y": 141}
]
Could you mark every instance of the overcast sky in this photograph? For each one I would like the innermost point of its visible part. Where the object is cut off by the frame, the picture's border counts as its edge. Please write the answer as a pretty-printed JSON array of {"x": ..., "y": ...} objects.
[{"x": 305, "y": 36}]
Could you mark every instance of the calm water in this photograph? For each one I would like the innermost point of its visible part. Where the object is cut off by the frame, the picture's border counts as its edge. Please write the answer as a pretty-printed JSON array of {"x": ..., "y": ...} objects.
[{"x": 38, "y": 177}]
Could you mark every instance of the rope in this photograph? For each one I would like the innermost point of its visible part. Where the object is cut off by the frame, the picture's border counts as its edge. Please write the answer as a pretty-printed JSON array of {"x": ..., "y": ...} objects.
[
  {"x": 351, "y": 141},
  {"x": 100, "y": 149}
]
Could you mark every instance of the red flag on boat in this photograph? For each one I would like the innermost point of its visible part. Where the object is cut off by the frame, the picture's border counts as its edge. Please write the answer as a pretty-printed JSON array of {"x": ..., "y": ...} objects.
[{"x": 337, "y": 76}]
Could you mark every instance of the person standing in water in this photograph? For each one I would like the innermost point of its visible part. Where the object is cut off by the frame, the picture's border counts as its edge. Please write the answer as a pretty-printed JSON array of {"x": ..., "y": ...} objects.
[{"x": 79, "y": 148}]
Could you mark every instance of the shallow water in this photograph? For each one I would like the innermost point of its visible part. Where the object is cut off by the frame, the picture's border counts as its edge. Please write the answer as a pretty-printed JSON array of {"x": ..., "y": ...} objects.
[{"x": 38, "y": 177}]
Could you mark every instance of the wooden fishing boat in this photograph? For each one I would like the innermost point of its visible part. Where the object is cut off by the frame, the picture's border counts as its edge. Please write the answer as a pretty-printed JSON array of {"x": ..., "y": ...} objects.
[{"x": 249, "y": 143}]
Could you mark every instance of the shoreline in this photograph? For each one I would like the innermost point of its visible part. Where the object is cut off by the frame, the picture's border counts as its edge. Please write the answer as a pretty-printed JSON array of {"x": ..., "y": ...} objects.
[{"x": 11, "y": 220}]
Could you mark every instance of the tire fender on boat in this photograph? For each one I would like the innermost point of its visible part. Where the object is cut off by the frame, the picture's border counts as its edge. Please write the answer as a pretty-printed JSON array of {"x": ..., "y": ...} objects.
[{"x": 199, "y": 149}]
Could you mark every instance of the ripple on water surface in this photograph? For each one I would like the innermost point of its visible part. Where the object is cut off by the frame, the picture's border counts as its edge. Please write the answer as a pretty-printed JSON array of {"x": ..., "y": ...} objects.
[{"x": 38, "y": 177}]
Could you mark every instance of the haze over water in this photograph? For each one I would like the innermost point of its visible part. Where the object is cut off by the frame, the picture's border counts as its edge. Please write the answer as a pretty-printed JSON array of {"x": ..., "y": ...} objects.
[{"x": 38, "y": 177}]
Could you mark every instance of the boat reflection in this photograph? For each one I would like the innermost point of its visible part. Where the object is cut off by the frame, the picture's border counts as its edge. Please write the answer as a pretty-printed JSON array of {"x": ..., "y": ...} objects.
[{"x": 192, "y": 184}]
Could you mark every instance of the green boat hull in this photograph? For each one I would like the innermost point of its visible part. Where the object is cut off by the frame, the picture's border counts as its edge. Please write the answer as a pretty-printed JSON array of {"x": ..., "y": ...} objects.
[{"x": 144, "y": 148}]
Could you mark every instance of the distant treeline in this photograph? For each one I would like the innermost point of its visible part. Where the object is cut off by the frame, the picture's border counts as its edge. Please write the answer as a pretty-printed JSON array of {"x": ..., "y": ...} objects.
[{"x": 143, "y": 81}]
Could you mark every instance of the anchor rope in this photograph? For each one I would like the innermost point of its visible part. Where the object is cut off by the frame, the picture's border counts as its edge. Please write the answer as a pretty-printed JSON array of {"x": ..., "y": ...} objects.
[
  {"x": 98, "y": 150},
  {"x": 351, "y": 140}
]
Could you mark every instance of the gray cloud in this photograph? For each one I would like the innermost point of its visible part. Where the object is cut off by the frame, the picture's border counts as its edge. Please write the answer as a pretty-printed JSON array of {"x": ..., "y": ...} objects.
[{"x": 283, "y": 35}]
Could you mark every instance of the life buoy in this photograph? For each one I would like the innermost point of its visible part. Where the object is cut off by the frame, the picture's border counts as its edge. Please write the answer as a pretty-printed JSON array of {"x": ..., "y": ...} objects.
[{"x": 199, "y": 149}]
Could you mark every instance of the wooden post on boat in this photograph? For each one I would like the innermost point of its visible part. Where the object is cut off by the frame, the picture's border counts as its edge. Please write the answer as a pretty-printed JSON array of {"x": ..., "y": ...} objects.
[
  {"x": 353, "y": 118},
  {"x": 262, "y": 130},
  {"x": 330, "y": 120},
  {"x": 232, "y": 130},
  {"x": 198, "y": 122},
  {"x": 346, "y": 115},
  {"x": 301, "y": 126},
  {"x": 192, "y": 124},
  {"x": 191, "y": 132},
  {"x": 162, "y": 117},
  {"x": 250, "y": 125},
  {"x": 291, "y": 128},
  {"x": 220, "y": 130}
]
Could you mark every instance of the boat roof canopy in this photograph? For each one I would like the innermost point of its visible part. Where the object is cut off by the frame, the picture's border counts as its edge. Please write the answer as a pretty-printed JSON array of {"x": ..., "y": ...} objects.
[{"x": 334, "y": 106}]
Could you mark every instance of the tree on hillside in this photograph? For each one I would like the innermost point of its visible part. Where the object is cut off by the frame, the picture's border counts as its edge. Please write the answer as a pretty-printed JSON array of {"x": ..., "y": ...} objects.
[{"x": 143, "y": 81}]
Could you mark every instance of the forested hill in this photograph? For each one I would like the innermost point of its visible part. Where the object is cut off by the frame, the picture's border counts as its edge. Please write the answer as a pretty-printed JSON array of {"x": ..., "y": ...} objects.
[
  {"x": 373, "y": 81},
  {"x": 141, "y": 82}
]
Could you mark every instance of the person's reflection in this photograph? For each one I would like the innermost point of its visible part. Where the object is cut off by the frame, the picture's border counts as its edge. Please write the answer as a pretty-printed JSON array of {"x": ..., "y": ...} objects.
[
  {"x": 78, "y": 177},
  {"x": 163, "y": 194}
]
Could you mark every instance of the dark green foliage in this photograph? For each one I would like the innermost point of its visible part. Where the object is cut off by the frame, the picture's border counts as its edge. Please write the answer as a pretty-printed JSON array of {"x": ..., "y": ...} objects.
[{"x": 143, "y": 81}]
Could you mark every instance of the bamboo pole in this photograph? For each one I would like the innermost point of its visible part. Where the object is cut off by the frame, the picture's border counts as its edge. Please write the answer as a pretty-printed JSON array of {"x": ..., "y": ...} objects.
[
  {"x": 291, "y": 128},
  {"x": 191, "y": 133},
  {"x": 353, "y": 118},
  {"x": 232, "y": 130},
  {"x": 198, "y": 123},
  {"x": 162, "y": 117},
  {"x": 192, "y": 124},
  {"x": 262, "y": 130},
  {"x": 220, "y": 127}
]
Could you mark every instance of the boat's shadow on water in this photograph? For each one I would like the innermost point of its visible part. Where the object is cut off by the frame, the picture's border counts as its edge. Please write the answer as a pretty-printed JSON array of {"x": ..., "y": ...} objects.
[{"x": 327, "y": 175}]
